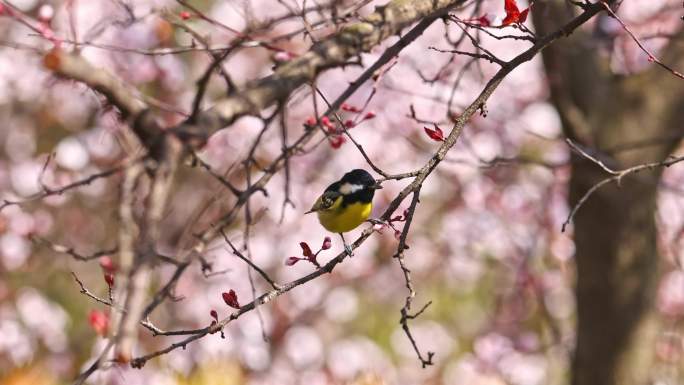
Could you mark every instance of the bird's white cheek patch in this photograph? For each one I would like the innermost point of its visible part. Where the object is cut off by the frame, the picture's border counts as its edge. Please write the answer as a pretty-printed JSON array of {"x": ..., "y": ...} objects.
[{"x": 349, "y": 188}]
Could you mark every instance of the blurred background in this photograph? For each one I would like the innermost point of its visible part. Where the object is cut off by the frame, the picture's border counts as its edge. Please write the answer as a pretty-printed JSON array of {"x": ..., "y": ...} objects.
[{"x": 486, "y": 247}]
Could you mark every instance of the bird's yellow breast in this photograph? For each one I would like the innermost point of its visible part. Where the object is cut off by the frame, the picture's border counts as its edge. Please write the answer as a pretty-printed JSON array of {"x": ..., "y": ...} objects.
[{"x": 340, "y": 219}]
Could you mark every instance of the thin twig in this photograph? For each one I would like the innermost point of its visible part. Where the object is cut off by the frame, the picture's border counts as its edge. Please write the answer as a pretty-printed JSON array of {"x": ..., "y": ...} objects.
[
  {"x": 399, "y": 255},
  {"x": 617, "y": 177},
  {"x": 651, "y": 56},
  {"x": 238, "y": 254}
]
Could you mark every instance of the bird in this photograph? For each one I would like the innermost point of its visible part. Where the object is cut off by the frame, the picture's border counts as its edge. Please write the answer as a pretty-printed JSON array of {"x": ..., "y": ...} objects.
[{"x": 346, "y": 204}]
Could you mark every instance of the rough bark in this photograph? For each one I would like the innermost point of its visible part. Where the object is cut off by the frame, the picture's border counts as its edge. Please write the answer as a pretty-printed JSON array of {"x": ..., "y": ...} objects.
[{"x": 615, "y": 231}]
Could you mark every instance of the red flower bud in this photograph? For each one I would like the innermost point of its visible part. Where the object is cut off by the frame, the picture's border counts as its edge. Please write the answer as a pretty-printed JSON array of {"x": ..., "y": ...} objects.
[
  {"x": 291, "y": 261},
  {"x": 282, "y": 56},
  {"x": 109, "y": 278},
  {"x": 185, "y": 15},
  {"x": 349, "y": 108},
  {"x": 99, "y": 321},
  {"x": 310, "y": 121},
  {"x": 378, "y": 227},
  {"x": 326, "y": 122},
  {"x": 45, "y": 13},
  {"x": 349, "y": 123},
  {"x": 327, "y": 243},
  {"x": 369, "y": 115},
  {"x": 213, "y": 314},
  {"x": 230, "y": 298},
  {"x": 107, "y": 264},
  {"x": 337, "y": 141}
]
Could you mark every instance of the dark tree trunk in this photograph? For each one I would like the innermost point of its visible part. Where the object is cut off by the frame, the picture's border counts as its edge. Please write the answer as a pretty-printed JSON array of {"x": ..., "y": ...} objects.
[{"x": 615, "y": 231}]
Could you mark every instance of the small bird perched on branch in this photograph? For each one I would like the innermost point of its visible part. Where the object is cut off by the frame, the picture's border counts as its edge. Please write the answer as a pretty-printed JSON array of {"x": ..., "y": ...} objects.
[{"x": 346, "y": 203}]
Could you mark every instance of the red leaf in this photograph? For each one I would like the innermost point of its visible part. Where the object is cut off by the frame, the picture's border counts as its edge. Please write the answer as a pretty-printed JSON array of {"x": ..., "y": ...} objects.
[
  {"x": 483, "y": 21},
  {"x": 99, "y": 321},
  {"x": 511, "y": 7},
  {"x": 230, "y": 298},
  {"x": 436, "y": 134},
  {"x": 513, "y": 13},
  {"x": 511, "y": 18},
  {"x": 306, "y": 250}
]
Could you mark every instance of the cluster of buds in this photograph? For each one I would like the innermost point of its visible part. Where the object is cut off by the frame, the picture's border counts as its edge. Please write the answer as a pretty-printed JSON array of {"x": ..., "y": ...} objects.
[
  {"x": 390, "y": 223},
  {"x": 336, "y": 129},
  {"x": 308, "y": 255}
]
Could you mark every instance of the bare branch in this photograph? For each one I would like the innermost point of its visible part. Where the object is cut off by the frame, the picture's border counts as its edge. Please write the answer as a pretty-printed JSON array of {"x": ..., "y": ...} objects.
[
  {"x": 414, "y": 186},
  {"x": 59, "y": 191},
  {"x": 651, "y": 56},
  {"x": 399, "y": 255},
  {"x": 617, "y": 177},
  {"x": 334, "y": 51},
  {"x": 238, "y": 254},
  {"x": 57, "y": 248}
]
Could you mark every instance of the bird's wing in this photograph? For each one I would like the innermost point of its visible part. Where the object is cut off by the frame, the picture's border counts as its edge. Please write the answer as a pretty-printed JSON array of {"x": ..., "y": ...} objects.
[{"x": 325, "y": 201}]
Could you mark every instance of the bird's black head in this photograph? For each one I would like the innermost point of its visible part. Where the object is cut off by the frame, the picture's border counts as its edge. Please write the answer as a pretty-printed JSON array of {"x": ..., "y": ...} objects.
[
  {"x": 355, "y": 186},
  {"x": 359, "y": 177}
]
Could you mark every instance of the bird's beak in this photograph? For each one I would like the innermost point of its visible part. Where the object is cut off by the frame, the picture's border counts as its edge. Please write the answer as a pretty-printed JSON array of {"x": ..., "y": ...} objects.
[
  {"x": 310, "y": 211},
  {"x": 376, "y": 186}
]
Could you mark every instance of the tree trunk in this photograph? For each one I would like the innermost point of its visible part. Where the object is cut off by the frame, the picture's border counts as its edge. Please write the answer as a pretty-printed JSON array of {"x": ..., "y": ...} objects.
[{"x": 615, "y": 231}]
